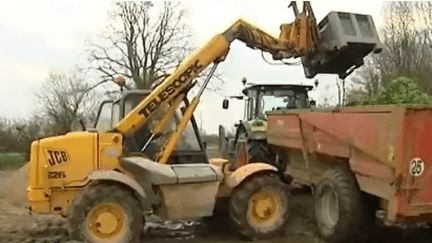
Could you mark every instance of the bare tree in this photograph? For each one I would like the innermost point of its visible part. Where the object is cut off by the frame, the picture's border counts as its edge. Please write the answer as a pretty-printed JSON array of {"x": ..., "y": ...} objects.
[
  {"x": 145, "y": 45},
  {"x": 408, "y": 49},
  {"x": 8, "y": 136},
  {"x": 327, "y": 98},
  {"x": 17, "y": 134},
  {"x": 63, "y": 100},
  {"x": 366, "y": 81},
  {"x": 399, "y": 33}
]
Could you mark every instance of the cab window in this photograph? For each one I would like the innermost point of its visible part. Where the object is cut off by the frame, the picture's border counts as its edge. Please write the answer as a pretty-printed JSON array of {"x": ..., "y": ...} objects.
[{"x": 103, "y": 123}]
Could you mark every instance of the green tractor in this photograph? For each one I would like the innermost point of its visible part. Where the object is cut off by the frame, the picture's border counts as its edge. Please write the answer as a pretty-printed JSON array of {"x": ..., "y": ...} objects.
[{"x": 249, "y": 143}]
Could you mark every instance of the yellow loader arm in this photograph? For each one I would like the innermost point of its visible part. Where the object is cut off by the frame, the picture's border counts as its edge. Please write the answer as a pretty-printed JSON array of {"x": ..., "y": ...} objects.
[{"x": 297, "y": 39}]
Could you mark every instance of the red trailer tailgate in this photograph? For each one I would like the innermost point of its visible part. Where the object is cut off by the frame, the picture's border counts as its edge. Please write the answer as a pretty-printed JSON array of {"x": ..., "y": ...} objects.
[{"x": 416, "y": 166}]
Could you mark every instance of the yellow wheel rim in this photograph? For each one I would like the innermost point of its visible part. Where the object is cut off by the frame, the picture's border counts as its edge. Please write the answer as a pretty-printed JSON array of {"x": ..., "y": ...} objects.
[
  {"x": 105, "y": 221},
  {"x": 263, "y": 209}
]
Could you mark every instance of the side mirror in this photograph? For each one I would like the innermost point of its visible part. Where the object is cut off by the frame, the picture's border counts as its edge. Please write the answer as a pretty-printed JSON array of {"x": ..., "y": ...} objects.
[
  {"x": 313, "y": 103},
  {"x": 225, "y": 104}
]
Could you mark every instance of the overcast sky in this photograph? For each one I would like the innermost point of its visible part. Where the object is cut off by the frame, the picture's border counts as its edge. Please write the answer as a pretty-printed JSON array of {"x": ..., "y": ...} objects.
[{"x": 39, "y": 37}]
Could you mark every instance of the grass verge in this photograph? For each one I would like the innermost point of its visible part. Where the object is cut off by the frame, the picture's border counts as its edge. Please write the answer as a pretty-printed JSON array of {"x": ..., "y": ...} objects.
[{"x": 11, "y": 160}]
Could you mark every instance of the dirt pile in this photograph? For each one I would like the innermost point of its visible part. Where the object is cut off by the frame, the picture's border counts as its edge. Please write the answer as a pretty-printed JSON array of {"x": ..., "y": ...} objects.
[
  {"x": 13, "y": 186},
  {"x": 17, "y": 225}
]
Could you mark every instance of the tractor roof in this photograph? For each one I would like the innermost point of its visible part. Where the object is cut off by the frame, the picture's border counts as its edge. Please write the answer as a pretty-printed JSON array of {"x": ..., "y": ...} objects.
[
  {"x": 134, "y": 92},
  {"x": 295, "y": 87}
]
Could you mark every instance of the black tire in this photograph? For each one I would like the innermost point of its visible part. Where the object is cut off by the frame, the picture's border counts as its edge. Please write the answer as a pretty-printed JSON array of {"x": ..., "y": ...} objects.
[
  {"x": 340, "y": 209},
  {"x": 99, "y": 199},
  {"x": 243, "y": 208},
  {"x": 252, "y": 151},
  {"x": 259, "y": 152}
]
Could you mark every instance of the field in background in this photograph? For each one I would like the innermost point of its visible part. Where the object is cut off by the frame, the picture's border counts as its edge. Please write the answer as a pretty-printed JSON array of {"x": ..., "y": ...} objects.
[
  {"x": 11, "y": 160},
  {"x": 212, "y": 142},
  {"x": 213, "y": 152}
]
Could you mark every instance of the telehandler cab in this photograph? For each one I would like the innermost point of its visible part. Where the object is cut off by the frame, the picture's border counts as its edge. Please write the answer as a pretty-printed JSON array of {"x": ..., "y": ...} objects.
[{"x": 104, "y": 180}]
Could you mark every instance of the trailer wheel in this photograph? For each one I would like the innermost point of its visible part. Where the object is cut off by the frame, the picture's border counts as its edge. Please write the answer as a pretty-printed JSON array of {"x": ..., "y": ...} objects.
[
  {"x": 106, "y": 213},
  {"x": 259, "y": 207},
  {"x": 339, "y": 207}
]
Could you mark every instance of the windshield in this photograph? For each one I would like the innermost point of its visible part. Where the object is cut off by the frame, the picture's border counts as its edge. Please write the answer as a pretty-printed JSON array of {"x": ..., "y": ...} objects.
[
  {"x": 115, "y": 113},
  {"x": 288, "y": 99},
  {"x": 132, "y": 101},
  {"x": 110, "y": 114},
  {"x": 103, "y": 123},
  {"x": 188, "y": 141},
  {"x": 270, "y": 103}
]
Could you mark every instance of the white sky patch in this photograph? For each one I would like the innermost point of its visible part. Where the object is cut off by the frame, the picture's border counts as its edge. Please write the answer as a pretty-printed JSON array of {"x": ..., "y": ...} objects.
[
  {"x": 53, "y": 16},
  {"x": 36, "y": 38},
  {"x": 20, "y": 80},
  {"x": 13, "y": 68}
]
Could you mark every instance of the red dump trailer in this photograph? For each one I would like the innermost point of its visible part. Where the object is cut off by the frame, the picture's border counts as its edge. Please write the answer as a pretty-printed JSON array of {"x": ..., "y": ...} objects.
[{"x": 359, "y": 160}]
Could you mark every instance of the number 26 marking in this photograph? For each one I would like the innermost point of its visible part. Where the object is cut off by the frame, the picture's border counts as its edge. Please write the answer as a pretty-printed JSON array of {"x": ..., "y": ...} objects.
[{"x": 56, "y": 175}]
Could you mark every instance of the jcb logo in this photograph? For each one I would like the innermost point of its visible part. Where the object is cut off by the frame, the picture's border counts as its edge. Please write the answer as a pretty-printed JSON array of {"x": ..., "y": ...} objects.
[{"x": 56, "y": 157}]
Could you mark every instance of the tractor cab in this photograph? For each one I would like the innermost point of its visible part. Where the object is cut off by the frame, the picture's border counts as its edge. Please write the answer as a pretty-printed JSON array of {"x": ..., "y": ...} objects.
[
  {"x": 190, "y": 148},
  {"x": 251, "y": 131},
  {"x": 262, "y": 98}
]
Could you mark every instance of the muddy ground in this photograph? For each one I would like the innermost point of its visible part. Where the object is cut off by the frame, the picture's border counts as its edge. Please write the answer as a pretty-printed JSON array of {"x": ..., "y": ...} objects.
[{"x": 17, "y": 225}]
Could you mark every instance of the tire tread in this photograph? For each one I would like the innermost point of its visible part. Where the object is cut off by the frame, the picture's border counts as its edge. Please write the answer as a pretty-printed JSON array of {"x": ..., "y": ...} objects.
[{"x": 352, "y": 217}]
